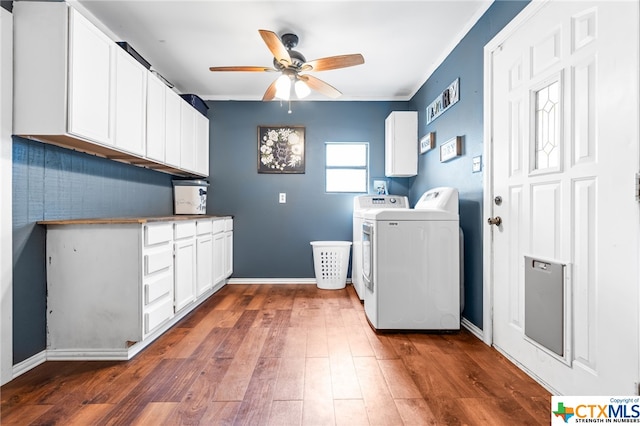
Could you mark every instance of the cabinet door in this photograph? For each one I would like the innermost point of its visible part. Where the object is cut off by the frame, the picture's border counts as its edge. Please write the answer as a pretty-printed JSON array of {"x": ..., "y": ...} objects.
[
  {"x": 187, "y": 137},
  {"x": 228, "y": 254},
  {"x": 389, "y": 160},
  {"x": 204, "y": 264},
  {"x": 184, "y": 268},
  {"x": 173, "y": 105},
  {"x": 155, "y": 119},
  {"x": 202, "y": 144},
  {"x": 401, "y": 144},
  {"x": 130, "y": 103},
  {"x": 90, "y": 82},
  {"x": 219, "y": 250}
]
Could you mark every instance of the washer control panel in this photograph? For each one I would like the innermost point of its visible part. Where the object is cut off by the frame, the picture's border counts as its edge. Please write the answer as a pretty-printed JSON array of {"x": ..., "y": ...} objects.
[{"x": 380, "y": 202}]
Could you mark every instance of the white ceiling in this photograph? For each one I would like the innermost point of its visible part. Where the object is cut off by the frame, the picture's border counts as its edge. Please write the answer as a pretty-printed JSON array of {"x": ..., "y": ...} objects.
[{"x": 402, "y": 42}]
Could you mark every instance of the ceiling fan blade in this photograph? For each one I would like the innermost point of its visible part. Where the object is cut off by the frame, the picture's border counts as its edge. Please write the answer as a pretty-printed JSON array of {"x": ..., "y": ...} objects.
[
  {"x": 270, "y": 92},
  {"x": 242, "y": 68},
  {"x": 334, "y": 62},
  {"x": 276, "y": 47},
  {"x": 320, "y": 86}
]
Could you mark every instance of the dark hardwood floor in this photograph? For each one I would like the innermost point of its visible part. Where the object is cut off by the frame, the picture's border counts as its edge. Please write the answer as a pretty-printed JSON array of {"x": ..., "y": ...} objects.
[{"x": 283, "y": 355}]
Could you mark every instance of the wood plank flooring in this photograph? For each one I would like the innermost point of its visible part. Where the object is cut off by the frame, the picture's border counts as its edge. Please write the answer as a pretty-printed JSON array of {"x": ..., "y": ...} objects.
[{"x": 283, "y": 355}]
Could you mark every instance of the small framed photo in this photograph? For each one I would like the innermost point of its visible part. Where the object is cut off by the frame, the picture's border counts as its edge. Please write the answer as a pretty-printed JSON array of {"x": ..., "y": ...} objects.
[
  {"x": 427, "y": 142},
  {"x": 451, "y": 149},
  {"x": 380, "y": 187}
]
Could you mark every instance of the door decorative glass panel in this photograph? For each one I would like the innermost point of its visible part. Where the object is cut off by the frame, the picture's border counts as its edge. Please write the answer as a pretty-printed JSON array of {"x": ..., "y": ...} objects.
[{"x": 547, "y": 127}]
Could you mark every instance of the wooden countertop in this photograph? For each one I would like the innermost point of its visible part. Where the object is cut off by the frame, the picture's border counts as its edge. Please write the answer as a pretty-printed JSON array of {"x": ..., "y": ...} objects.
[{"x": 119, "y": 220}]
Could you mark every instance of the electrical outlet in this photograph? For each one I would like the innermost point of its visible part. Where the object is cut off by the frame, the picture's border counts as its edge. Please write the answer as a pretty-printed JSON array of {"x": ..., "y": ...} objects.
[{"x": 282, "y": 198}]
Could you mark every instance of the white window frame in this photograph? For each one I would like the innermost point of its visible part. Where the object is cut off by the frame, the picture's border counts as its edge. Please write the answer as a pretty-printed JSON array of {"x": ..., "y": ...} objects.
[{"x": 347, "y": 167}]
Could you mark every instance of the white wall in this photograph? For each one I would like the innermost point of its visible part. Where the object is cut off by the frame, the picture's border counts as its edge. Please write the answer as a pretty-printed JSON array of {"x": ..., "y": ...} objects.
[{"x": 6, "y": 259}]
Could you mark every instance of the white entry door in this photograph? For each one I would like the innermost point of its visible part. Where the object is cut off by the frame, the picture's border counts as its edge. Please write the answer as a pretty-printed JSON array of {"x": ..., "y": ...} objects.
[{"x": 563, "y": 152}]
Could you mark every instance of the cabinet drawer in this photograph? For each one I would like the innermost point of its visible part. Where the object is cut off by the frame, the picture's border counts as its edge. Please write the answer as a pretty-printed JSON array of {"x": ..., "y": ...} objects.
[
  {"x": 204, "y": 226},
  {"x": 157, "y": 315},
  {"x": 156, "y": 234},
  {"x": 228, "y": 224},
  {"x": 157, "y": 287},
  {"x": 218, "y": 226},
  {"x": 157, "y": 261},
  {"x": 185, "y": 229}
]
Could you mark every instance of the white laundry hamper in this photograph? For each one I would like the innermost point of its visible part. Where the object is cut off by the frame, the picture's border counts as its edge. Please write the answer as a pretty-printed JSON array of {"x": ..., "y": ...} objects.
[{"x": 331, "y": 262}]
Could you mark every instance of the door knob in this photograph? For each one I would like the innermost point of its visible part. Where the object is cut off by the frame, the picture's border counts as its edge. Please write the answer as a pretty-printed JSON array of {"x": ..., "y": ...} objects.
[{"x": 495, "y": 221}]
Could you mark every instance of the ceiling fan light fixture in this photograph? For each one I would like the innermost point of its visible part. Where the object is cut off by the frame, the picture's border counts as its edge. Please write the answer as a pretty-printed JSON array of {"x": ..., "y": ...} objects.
[
  {"x": 302, "y": 90},
  {"x": 290, "y": 63},
  {"x": 283, "y": 87}
]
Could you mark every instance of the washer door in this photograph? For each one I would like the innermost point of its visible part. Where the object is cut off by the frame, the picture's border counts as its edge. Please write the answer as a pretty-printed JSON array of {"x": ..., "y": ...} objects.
[{"x": 367, "y": 255}]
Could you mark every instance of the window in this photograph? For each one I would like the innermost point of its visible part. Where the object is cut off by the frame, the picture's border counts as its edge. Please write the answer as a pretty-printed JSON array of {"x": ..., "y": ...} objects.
[{"x": 347, "y": 167}]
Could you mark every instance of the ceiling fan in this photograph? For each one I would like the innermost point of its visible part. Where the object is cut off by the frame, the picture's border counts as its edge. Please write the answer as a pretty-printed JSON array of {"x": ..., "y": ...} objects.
[{"x": 292, "y": 64}]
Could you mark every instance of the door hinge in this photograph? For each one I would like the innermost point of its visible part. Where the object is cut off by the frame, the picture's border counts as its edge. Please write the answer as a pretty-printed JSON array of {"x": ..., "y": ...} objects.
[{"x": 637, "y": 190}]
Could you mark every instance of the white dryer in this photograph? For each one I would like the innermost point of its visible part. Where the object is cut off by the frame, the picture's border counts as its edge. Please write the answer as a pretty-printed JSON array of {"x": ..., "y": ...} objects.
[
  {"x": 361, "y": 204},
  {"x": 411, "y": 264}
]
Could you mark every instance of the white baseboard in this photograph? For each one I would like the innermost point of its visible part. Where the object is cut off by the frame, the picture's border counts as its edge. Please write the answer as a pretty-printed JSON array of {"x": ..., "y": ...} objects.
[
  {"x": 275, "y": 281},
  {"x": 474, "y": 329},
  {"x": 29, "y": 363},
  {"x": 87, "y": 355}
]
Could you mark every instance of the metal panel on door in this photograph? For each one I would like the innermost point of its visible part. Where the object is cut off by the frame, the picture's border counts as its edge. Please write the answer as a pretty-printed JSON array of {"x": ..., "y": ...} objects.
[{"x": 544, "y": 303}]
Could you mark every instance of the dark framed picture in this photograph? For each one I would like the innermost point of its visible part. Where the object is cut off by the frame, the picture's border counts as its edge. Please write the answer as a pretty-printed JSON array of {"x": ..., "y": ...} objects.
[{"x": 281, "y": 149}]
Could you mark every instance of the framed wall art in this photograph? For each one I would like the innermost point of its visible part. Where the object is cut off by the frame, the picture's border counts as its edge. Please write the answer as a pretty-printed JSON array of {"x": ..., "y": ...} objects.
[
  {"x": 444, "y": 101},
  {"x": 281, "y": 149},
  {"x": 427, "y": 142},
  {"x": 451, "y": 149}
]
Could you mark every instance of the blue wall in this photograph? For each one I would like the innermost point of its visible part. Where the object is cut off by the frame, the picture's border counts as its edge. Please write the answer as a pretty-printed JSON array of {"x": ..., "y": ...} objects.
[
  {"x": 465, "y": 119},
  {"x": 271, "y": 240}
]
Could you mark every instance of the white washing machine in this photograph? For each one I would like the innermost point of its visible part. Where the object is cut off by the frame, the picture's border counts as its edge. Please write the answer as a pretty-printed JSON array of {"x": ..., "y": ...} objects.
[
  {"x": 411, "y": 264},
  {"x": 361, "y": 204}
]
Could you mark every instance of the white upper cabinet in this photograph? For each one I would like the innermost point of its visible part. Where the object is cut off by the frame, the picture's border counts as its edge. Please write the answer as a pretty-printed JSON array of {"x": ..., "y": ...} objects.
[
  {"x": 194, "y": 140},
  {"x": 74, "y": 87},
  {"x": 173, "y": 127},
  {"x": 188, "y": 136},
  {"x": 130, "y": 103},
  {"x": 401, "y": 144},
  {"x": 202, "y": 144},
  {"x": 90, "y": 53},
  {"x": 156, "y": 109}
]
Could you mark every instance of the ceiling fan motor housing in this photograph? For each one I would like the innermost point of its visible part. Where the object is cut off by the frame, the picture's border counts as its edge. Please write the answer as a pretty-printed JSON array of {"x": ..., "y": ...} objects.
[
  {"x": 289, "y": 40},
  {"x": 297, "y": 59}
]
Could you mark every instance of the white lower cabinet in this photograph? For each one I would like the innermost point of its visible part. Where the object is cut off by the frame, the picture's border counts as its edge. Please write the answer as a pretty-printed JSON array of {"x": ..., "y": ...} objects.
[
  {"x": 204, "y": 256},
  {"x": 228, "y": 247},
  {"x": 185, "y": 264},
  {"x": 113, "y": 286},
  {"x": 157, "y": 275},
  {"x": 222, "y": 249}
]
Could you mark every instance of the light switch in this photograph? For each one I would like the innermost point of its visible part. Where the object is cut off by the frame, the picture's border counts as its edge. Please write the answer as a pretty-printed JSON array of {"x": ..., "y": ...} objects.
[
  {"x": 283, "y": 198},
  {"x": 477, "y": 164}
]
